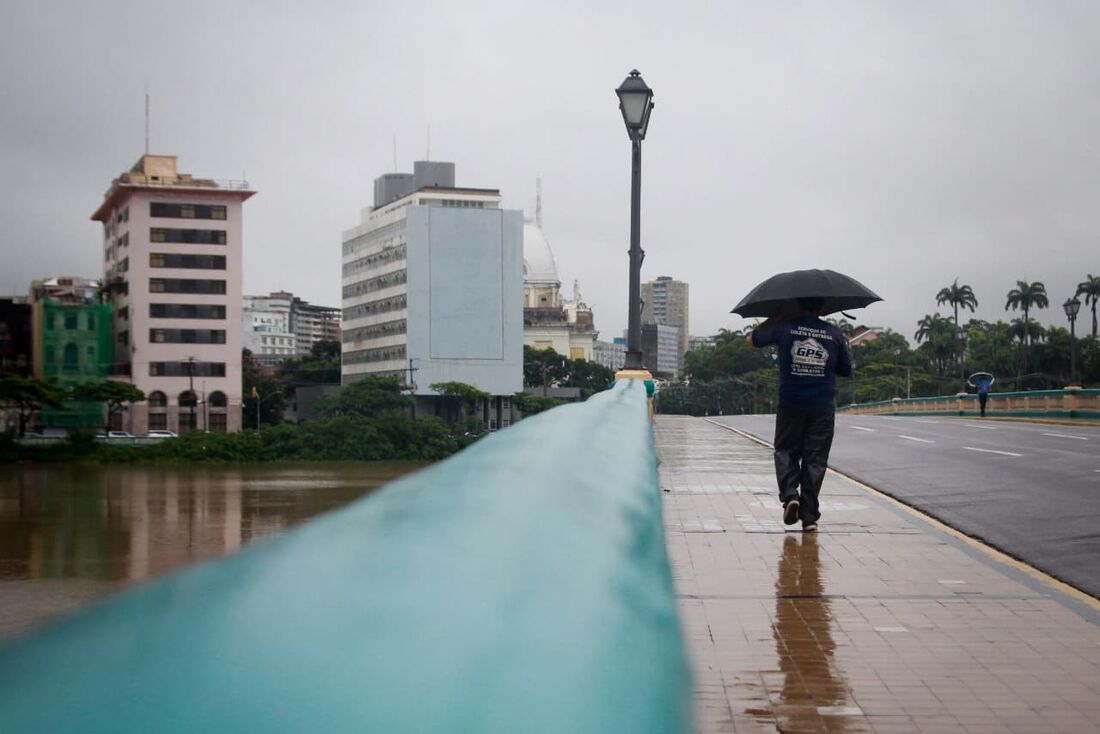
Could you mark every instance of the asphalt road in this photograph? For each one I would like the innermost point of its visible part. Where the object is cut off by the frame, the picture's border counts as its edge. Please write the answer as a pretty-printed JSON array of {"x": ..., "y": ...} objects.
[{"x": 1031, "y": 490}]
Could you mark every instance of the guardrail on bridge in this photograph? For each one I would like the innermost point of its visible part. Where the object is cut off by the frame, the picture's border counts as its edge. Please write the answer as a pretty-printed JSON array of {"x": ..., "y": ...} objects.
[
  {"x": 1069, "y": 403},
  {"x": 520, "y": 586}
]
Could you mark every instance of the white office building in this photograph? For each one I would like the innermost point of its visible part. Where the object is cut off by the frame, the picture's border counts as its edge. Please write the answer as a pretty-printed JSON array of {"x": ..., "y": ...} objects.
[
  {"x": 266, "y": 329},
  {"x": 433, "y": 288}
]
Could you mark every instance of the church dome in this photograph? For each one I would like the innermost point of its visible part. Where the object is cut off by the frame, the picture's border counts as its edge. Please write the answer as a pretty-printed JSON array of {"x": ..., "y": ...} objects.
[{"x": 538, "y": 259}]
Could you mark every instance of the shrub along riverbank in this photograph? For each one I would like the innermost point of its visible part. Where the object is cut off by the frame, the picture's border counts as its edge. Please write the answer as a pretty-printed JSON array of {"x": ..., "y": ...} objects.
[{"x": 343, "y": 438}]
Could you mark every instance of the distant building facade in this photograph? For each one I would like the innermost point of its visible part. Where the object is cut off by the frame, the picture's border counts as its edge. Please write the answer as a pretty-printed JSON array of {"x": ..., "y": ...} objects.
[
  {"x": 15, "y": 337},
  {"x": 665, "y": 301},
  {"x": 312, "y": 324},
  {"x": 432, "y": 289},
  {"x": 71, "y": 343},
  {"x": 661, "y": 350},
  {"x": 266, "y": 329},
  {"x": 702, "y": 342},
  {"x": 611, "y": 355},
  {"x": 550, "y": 321},
  {"x": 172, "y": 252}
]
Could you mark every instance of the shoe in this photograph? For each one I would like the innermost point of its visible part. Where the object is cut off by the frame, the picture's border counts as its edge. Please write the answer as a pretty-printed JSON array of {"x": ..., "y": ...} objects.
[
  {"x": 809, "y": 527},
  {"x": 790, "y": 512}
]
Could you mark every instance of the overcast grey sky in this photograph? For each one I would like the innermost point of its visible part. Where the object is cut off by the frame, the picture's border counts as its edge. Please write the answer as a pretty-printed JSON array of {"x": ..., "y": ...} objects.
[{"x": 905, "y": 143}]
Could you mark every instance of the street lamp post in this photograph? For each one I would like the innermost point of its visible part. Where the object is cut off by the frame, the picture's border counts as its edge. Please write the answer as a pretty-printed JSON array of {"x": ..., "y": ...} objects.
[
  {"x": 1071, "y": 307},
  {"x": 636, "y": 104}
]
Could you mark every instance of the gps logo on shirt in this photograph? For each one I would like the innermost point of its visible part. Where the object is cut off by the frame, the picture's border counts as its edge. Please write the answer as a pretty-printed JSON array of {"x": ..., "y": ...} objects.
[{"x": 809, "y": 353}]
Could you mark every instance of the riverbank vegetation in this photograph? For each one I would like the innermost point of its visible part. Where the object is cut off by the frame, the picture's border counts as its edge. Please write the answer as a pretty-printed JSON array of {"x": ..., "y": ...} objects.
[{"x": 732, "y": 377}]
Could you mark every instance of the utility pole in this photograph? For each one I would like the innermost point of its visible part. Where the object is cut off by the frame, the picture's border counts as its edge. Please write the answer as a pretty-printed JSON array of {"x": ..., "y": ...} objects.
[{"x": 191, "y": 389}]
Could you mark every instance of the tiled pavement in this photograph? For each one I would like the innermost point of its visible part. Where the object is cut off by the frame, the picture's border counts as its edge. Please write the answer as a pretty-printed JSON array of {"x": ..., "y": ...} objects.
[{"x": 878, "y": 623}]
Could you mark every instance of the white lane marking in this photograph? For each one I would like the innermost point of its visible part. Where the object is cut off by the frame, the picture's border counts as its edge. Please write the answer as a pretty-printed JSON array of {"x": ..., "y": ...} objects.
[
  {"x": 978, "y": 425},
  {"x": 861, "y": 428},
  {"x": 914, "y": 438},
  {"x": 935, "y": 423},
  {"x": 1066, "y": 435},
  {"x": 991, "y": 451}
]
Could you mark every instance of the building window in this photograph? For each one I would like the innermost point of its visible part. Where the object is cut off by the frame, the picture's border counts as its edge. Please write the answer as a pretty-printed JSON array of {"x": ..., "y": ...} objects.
[
  {"x": 186, "y": 369},
  {"x": 187, "y": 336},
  {"x": 193, "y": 262},
  {"x": 124, "y": 313},
  {"x": 381, "y": 354},
  {"x": 71, "y": 323},
  {"x": 186, "y": 311},
  {"x": 218, "y": 399},
  {"x": 70, "y": 358},
  {"x": 218, "y": 423},
  {"x": 90, "y": 354},
  {"x": 187, "y": 399},
  {"x": 157, "y": 399},
  {"x": 91, "y": 322},
  {"x": 188, "y": 236},
  {"x": 158, "y": 421},
  {"x": 187, "y": 211},
  {"x": 123, "y": 338},
  {"x": 375, "y": 331},
  {"x": 186, "y": 285},
  {"x": 373, "y": 284}
]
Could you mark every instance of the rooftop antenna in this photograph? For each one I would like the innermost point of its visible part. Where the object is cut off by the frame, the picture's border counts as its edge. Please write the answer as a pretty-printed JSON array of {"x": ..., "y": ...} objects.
[
  {"x": 428, "y": 155},
  {"x": 538, "y": 201},
  {"x": 146, "y": 121},
  {"x": 395, "y": 153}
]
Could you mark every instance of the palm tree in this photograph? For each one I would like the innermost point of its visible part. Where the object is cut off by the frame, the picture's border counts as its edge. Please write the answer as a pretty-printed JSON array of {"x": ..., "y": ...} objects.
[
  {"x": 1090, "y": 289},
  {"x": 931, "y": 326},
  {"x": 1024, "y": 296},
  {"x": 958, "y": 295}
]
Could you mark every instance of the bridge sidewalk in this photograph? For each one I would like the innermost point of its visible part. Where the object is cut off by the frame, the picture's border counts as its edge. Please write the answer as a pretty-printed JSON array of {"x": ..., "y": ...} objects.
[{"x": 880, "y": 622}]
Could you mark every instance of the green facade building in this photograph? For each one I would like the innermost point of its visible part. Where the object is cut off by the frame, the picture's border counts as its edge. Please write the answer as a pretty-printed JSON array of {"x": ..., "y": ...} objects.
[{"x": 71, "y": 331}]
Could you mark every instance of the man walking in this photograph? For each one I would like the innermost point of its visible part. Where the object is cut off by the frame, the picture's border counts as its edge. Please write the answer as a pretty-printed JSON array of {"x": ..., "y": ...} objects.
[{"x": 812, "y": 353}]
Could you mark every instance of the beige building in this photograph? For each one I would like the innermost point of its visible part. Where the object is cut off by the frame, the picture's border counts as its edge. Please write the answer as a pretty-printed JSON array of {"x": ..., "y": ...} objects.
[
  {"x": 665, "y": 301},
  {"x": 550, "y": 321},
  {"x": 172, "y": 263}
]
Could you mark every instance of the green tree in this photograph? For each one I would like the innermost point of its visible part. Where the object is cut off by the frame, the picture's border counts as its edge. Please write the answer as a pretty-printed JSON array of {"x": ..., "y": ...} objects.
[
  {"x": 543, "y": 367},
  {"x": 528, "y": 404},
  {"x": 1026, "y": 295},
  {"x": 957, "y": 296},
  {"x": 371, "y": 396},
  {"x": 461, "y": 400},
  {"x": 590, "y": 377},
  {"x": 263, "y": 389},
  {"x": 320, "y": 366},
  {"x": 28, "y": 395},
  {"x": 112, "y": 393},
  {"x": 936, "y": 335},
  {"x": 1090, "y": 289}
]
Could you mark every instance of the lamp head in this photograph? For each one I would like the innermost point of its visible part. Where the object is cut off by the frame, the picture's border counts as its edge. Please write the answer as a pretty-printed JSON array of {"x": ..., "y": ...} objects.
[
  {"x": 1071, "y": 307},
  {"x": 636, "y": 103}
]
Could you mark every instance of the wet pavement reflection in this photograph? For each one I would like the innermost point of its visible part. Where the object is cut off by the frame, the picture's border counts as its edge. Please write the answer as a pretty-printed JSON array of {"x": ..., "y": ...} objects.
[
  {"x": 804, "y": 646},
  {"x": 72, "y": 533}
]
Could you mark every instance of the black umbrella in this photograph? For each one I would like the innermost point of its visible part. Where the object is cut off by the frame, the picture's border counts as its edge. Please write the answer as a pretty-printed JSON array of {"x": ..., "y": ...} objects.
[{"x": 779, "y": 294}]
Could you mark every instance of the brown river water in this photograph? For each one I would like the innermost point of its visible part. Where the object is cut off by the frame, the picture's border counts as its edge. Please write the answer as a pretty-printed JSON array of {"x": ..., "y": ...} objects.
[{"x": 70, "y": 534}]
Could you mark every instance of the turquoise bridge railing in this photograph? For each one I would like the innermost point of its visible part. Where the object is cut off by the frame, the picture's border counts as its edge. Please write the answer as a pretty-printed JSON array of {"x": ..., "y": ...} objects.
[{"x": 520, "y": 586}]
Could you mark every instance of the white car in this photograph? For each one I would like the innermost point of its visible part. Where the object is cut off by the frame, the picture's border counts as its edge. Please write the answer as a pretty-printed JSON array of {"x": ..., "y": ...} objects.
[
  {"x": 161, "y": 434},
  {"x": 119, "y": 434}
]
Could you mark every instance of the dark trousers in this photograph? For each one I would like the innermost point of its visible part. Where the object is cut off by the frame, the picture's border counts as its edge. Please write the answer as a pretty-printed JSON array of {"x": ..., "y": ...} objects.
[
  {"x": 982, "y": 398},
  {"x": 802, "y": 443}
]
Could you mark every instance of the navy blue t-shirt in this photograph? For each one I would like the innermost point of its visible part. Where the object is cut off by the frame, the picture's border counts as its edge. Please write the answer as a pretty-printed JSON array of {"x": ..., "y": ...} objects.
[{"x": 812, "y": 353}]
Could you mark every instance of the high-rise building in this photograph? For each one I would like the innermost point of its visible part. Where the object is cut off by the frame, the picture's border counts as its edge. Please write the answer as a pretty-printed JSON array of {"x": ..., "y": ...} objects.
[
  {"x": 15, "y": 336},
  {"x": 312, "y": 324},
  {"x": 665, "y": 301},
  {"x": 433, "y": 287},
  {"x": 265, "y": 328},
  {"x": 172, "y": 264},
  {"x": 71, "y": 336},
  {"x": 661, "y": 350}
]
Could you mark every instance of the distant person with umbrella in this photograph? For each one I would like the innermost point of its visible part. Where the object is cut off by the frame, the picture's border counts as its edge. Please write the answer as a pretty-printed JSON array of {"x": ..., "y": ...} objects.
[
  {"x": 981, "y": 381},
  {"x": 811, "y": 352}
]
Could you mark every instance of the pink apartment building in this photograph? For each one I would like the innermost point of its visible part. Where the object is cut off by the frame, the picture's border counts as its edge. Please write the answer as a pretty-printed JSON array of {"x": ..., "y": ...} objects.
[{"x": 172, "y": 263}]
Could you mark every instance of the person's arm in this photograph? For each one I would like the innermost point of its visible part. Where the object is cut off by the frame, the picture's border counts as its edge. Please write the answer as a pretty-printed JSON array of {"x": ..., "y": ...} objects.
[
  {"x": 763, "y": 335},
  {"x": 844, "y": 359}
]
